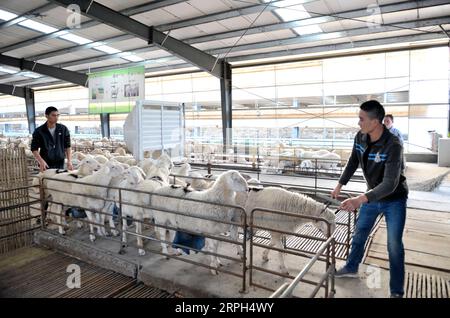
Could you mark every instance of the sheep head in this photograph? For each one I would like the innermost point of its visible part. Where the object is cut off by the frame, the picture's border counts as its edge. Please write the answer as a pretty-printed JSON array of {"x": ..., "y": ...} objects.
[
  {"x": 115, "y": 168},
  {"x": 233, "y": 180},
  {"x": 328, "y": 215},
  {"x": 90, "y": 163},
  {"x": 165, "y": 160},
  {"x": 134, "y": 175}
]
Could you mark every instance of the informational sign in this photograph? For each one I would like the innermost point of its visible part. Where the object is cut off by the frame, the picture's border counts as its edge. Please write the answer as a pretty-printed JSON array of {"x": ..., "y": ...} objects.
[{"x": 116, "y": 91}]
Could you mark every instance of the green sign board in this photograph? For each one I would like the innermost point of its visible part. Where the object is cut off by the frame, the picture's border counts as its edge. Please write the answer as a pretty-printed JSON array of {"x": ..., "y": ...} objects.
[{"x": 116, "y": 91}]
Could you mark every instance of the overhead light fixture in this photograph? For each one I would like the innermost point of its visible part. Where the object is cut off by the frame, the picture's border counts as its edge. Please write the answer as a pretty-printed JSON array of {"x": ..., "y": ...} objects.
[
  {"x": 308, "y": 29},
  {"x": 75, "y": 38},
  {"x": 5, "y": 15},
  {"x": 291, "y": 10},
  {"x": 133, "y": 58},
  {"x": 7, "y": 70},
  {"x": 37, "y": 26},
  {"x": 107, "y": 49},
  {"x": 31, "y": 74}
]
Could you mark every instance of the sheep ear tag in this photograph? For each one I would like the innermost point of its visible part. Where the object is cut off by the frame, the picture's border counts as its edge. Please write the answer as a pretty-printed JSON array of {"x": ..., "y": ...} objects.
[{"x": 377, "y": 158}]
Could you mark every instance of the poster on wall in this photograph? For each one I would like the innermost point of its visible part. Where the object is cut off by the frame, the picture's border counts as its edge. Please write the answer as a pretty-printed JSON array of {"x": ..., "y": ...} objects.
[{"x": 116, "y": 91}]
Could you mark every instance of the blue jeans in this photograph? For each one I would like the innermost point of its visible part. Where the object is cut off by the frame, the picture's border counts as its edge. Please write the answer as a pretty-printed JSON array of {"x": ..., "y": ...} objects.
[{"x": 395, "y": 215}]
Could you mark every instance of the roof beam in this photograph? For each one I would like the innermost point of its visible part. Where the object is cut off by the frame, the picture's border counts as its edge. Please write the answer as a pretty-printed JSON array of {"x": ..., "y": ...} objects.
[
  {"x": 338, "y": 34},
  {"x": 288, "y": 41},
  {"x": 152, "y": 5},
  {"x": 309, "y": 50},
  {"x": 395, "y": 7},
  {"x": 12, "y": 90},
  {"x": 189, "y": 22},
  {"x": 28, "y": 14},
  {"x": 65, "y": 75},
  {"x": 342, "y": 46},
  {"x": 117, "y": 20}
]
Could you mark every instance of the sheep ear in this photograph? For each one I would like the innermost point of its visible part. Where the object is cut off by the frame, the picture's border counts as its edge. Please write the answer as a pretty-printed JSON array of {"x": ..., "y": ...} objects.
[{"x": 142, "y": 172}]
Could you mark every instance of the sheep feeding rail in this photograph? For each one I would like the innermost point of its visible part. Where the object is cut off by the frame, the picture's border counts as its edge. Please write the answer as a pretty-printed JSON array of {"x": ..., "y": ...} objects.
[
  {"x": 326, "y": 281},
  {"x": 345, "y": 221},
  {"x": 242, "y": 263},
  {"x": 122, "y": 204}
]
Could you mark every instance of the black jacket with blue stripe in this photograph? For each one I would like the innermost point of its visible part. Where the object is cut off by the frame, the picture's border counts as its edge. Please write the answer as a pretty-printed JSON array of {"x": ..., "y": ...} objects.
[{"x": 382, "y": 167}]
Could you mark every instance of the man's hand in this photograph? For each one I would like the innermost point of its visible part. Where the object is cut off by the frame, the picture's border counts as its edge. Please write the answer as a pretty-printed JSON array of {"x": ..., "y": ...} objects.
[
  {"x": 335, "y": 193},
  {"x": 69, "y": 166},
  {"x": 353, "y": 203},
  {"x": 42, "y": 165}
]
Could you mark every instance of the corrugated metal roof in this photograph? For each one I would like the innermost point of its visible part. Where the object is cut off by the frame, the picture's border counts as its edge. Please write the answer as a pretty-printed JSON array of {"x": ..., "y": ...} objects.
[{"x": 191, "y": 11}]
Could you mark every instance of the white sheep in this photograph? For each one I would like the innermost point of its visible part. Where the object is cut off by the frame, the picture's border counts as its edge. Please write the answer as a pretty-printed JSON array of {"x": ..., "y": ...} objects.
[
  {"x": 199, "y": 182},
  {"x": 181, "y": 170},
  {"x": 306, "y": 165},
  {"x": 101, "y": 159},
  {"x": 136, "y": 179},
  {"x": 61, "y": 192},
  {"x": 328, "y": 161},
  {"x": 121, "y": 151},
  {"x": 101, "y": 178},
  {"x": 273, "y": 198},
  {"x": 222, "y": 192}
]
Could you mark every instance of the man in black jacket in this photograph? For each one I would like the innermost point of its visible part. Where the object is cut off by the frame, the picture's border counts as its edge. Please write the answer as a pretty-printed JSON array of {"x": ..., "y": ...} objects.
[
  {"x": 379, "y": 154},
  {"x": 53, "y": 142}
]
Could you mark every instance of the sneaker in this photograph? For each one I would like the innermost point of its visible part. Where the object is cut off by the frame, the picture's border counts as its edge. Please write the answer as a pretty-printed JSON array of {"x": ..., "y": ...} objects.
[
  {"x": 396, "y": 295},
  {"x": 344, "y": 272}
]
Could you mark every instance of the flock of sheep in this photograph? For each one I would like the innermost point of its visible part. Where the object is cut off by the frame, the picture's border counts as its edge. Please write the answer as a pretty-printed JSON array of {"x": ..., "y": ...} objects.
[
  {"x": 148, "y": 191},
  {"x": 273, "y": 159}
]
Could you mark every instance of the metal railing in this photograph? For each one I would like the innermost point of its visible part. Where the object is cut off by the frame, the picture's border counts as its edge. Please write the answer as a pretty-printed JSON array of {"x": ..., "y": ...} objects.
[
  {"x": 286, "y": 289},
  {"x": 122, "y": 217},
  {"x": 318, "y": 194},
  {"x": 329, "y": 257}
]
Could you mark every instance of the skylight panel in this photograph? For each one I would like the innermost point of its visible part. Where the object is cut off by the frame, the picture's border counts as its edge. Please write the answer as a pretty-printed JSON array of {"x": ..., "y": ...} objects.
[
  {"x": 133, "y": 58},
  {"x": 5, "y": 15},
  {"x": 75, "y": 38},
  {"x": 37, "y": 26},
  {"x": 308, "y": 29},
  {"x": 107, "y": 49},
  {"x": 7, "y": 70},
  {"x": 31, "y": 74}
]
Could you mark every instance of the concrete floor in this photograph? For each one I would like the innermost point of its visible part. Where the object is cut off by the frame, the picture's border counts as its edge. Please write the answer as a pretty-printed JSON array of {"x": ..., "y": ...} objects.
[{"x": 192, "y": 280}]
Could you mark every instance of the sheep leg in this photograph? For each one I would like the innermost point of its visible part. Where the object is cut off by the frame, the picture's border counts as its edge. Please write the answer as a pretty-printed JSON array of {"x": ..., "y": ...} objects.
[
  {"x": 265, "y": 255},
  {"x": 212, "y": 247},
  {"x": 140, "y": 242},
  {"x": 101, "y": 221},
  {"x": 124, "y": 236},
  {"x": 162, "y": 237},
  {"x": 109, "y": 207},
  {"x": 234, "y": 236},
  {"x": 59, "y": 211},
  {"x": 112, "y": 226},
  {"x": 91, "y": 226},
  {"x": 279, "y": 244},
  {"x": 171, "y": 237}
]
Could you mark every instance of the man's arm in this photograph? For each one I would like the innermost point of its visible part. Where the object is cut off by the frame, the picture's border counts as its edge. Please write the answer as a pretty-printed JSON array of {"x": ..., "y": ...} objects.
[
  {"x": 35, "y": 145},
  {"x": 68, "y": 152},
  {"x": 68, "y": 149}
]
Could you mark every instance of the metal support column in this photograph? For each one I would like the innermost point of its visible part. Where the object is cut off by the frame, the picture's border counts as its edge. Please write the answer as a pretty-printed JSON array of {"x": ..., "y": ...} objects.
[
  {"x": 104, "y": 119},
  {"x": 448, "y": 119},
  {"x": 31, "y": 113},
  {"x": 226, "y": 101}
]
